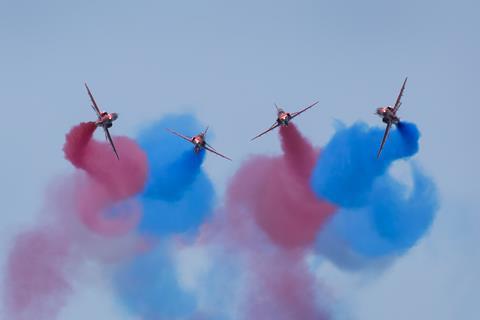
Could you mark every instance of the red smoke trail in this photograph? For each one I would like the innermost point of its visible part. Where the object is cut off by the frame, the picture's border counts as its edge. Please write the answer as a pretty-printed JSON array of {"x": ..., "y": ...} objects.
[
  {"x": 283, "y": 288},
  {"x": 299, "y": 154},
  {"x": 42, "y": 261},
  {"x": 276, "y": 191},
  {"x": 278, "y": 284},
  {"x": 36, "y": 286},
  {"x": 270, "y": 217},
  {"x": 108, "y": 180}
]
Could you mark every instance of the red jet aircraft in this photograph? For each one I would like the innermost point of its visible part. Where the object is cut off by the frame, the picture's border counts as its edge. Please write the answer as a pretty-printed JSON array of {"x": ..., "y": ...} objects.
[
  {"x": 283, "y": 118},
  {"x": 389, "y": 116},
  {"x": 199, "y": 142},
  {"x": 105, "y": 119}
]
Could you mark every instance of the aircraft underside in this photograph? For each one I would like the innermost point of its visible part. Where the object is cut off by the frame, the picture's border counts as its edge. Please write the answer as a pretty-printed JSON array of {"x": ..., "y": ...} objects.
[
  {"x": 393, "y": 120},
  {"x": 197, "y": 148},
  {"x": 106, "y": 124}
]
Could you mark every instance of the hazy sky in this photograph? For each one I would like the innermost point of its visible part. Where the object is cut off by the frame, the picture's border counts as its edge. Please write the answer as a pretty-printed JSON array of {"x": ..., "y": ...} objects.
[{"x": 228, "y": 62}]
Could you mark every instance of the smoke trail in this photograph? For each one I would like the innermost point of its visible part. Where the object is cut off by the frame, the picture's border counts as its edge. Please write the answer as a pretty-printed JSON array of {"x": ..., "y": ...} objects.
[
  {"x": 268, "y": 198},
  {"x": 277, "y": 192},
  {"x": 43, "y": 261},
  {"x": 283, "y": 288},
  {"x": 299, "y": 154},
  {"x": 348, "y": 167},
  {"x": 107, "y": 181},
  {"x": 148, "y": 286},
  {"x": 270, "y": 217},
  {"x": 377, "y": 217},
  {"x": 36, "y": 284},
  {"x": 244, "y": 275},
  {"x": 177, "y": 199},
  {"x": 214, "y": 271},
  {"x": 247, "y": 261},
  {"x": 178, "y": 195}
]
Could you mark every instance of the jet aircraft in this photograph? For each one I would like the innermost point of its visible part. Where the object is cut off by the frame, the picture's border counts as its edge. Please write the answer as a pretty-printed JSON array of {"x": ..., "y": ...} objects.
[
  {"x": 283, "y": 119},
  {"x": 105, "y": 120},
  {"x": 389, "y": 116},
  {"x": 199, "y": 142}
]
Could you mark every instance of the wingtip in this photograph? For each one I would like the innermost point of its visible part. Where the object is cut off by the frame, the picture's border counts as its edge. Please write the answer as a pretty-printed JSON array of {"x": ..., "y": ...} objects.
[{"x": 225, "y": 157}]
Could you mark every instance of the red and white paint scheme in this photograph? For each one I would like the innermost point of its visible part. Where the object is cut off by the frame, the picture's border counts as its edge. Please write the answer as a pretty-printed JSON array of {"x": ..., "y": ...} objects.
[
  {"x": 283, "y": 118},
  {"x": 199, "y": 142},
  {"x": 105, "y": 119},
  {"x": 389, "y": 116}
]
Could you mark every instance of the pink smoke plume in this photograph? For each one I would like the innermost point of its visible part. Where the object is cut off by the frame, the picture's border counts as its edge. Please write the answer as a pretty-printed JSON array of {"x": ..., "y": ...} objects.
[
  {"x": 276, "y": 191},
  {"x": 283, "y": 288},
  {"x": 271, "y": 216},
  {"x": 108, "y": 180},
  {"x": 36, "y": 286},
  {"x": 43, "y": 260}
]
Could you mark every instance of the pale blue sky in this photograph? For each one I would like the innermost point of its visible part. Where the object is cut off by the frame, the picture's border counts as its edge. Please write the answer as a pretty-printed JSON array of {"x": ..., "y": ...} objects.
[{"x": 228, "y": 62}]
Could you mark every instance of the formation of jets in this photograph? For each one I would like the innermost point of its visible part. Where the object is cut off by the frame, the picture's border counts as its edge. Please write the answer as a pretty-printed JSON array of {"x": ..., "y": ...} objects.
[{"x": 387, "y": 113}]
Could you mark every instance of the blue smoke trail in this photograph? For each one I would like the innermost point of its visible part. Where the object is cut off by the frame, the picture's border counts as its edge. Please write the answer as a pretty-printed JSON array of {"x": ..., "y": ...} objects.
[
  {"x": 179, "y": 195},
  {"x": 348, "y": 166},
  {"x": 177, "y": 199},
  {"x": 377, "y": 217},
  {"x": 148, "y": 287}
]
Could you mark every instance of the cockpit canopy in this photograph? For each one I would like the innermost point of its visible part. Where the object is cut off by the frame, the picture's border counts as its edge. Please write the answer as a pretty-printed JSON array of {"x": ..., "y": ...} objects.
[{"x": 382, "y": 110}]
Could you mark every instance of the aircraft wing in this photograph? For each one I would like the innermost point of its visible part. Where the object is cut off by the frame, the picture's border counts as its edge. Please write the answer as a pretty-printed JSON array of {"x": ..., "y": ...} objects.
[
  {"x": 180, "y": 135},
  {"x": 385, "y": 136},
  {"x": 109, "y": 138},
  {"x": 294, "y": 114},
  {"x": 275, "y": 125},
  {"x": 398, "y": 103},
  {"x": 94, "y": 104},
  {"x": 209, "y": 148},
  {"x": 208, "y": 145}
]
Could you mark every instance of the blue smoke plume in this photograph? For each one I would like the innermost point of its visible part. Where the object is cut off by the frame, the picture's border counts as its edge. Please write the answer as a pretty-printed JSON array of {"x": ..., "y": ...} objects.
[
  {"x": 177, "y": 198},
  {"x": 348, "y": 166},
  {"x": 178, "y": 195},
  {"x": 148, "y": 287},
  {"x": 377, "y": 216}
]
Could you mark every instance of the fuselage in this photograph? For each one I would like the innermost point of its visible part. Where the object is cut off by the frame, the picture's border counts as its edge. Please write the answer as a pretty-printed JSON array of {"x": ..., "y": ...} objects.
[
  {"x": 199, "y": 142},
  {"x": 106, "y": 119},
  {"x": 388, "y": 115},
  {"x": 283, "y": 118}
]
